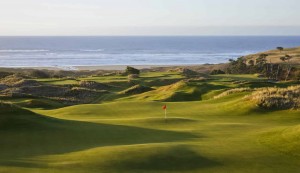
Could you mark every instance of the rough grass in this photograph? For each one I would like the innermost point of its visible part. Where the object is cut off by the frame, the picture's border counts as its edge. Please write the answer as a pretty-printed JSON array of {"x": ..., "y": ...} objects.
[
  {"x": 278, "y": 98},
  {"x": 137, "y": 89},
  {"x": 232, "y": 91}
]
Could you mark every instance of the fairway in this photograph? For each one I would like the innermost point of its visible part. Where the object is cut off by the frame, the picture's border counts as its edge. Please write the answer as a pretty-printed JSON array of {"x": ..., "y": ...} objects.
[
  {"x": 207, "y": 130},
  {"x": 223, "y": 135}
]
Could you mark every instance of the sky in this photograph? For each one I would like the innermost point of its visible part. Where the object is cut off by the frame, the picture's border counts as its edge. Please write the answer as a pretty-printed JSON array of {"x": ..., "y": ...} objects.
[{"x": 149, "y": 17}]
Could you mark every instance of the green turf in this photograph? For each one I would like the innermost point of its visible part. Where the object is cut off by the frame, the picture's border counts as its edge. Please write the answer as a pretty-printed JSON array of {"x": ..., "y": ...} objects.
[
  {"x": 37, "y": 103},
  {"x": 58, "y": 81},
  {"x": 229, "y": 134}
]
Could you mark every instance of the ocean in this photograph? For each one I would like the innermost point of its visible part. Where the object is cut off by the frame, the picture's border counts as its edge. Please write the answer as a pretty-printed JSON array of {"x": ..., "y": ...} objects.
[{"x": 122, "y": 50}]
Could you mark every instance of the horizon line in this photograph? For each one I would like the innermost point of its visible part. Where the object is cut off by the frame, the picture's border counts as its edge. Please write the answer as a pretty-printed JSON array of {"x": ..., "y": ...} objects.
[{"x": 150, "y": 35}]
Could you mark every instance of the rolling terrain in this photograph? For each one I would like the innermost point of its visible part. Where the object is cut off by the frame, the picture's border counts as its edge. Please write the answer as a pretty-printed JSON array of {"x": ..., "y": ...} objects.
[{"x": 127, "y": 132}]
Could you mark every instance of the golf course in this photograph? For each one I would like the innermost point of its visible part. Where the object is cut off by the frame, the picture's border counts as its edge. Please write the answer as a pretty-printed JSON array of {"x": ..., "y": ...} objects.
[
  {"x": 213, "y": 124},
  {"x": 149, "y": 86}
]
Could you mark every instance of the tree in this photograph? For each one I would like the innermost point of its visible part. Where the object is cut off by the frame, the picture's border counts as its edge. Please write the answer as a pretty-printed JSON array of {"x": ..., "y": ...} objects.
[
  {"x": 280, "y": 49},
  {"x": 251, "y": 62},
  {"x": 278, "y": 67},
  {"x": 231, "y": 60},
  {"x": 238, "y": 66},
  {"x": 131, "y": 70},
  {"x": 282, "y": 58},
  {"x": 261, "y": 61},
  {"x": 288, "y": 58},
  {"x": 215, "y": 72}
]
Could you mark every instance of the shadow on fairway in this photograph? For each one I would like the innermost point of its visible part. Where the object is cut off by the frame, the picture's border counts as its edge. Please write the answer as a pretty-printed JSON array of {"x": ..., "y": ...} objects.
[
  {"x": 24, "y": 134},
  {"x": 175, "y": 158}
]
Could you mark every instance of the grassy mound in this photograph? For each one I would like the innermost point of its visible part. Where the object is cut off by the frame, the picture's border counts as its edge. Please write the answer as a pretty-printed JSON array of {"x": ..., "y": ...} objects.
[
  {"x": 16, "y": 118},
  {"x": 137, "y": 89},
  {"x": 43, "y": 91},
  {"x": 190, "y": 73},
  {"x": 11, "y": 80},
  {"x": 26, "y": 83},
  {"x": 180, "y": 91},
  {"x": 24, "y": 133},
  {"x": 165, "y": 93},
  {"x": 39, "y": 103},
  {"x": 93, "y": 85},
  {"x": 6, "y": 108},
  {"x": 82, "y": 95}
]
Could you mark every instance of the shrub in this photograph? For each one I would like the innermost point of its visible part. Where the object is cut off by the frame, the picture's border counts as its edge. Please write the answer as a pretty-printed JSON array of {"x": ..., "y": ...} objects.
[
  {"x": 3, "y": 87},
  {"x": 131, "y": 70},
  {"x": 215, "y": 72},
  {"x": 4, "y": 74},
  {"x": 11, "y": 80},
  {"x": 189, "y": 73},
  {"x": 238, "y": 66},
  {"x": 93, "y": 85},
  {"x": 278, "y": 98},
  {"x": 39, "y": 74}
]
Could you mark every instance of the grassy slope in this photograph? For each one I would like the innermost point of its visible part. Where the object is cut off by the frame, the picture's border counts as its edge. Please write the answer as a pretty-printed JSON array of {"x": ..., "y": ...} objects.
[
  {"x": 26, "y": 135},
  {"x": 36, "y": 103},
  {"x": 274, "y": 55},
  {"x": 228, "y": 134},
  {"x": 220, "y": 137}
]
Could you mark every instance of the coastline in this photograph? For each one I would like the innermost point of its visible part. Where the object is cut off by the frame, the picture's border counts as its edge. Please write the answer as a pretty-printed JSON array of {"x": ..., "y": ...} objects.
[{"x": 104, "y": 67}]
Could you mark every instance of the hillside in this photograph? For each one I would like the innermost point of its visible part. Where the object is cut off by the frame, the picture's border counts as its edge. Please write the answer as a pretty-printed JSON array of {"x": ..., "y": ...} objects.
[{"x": 274, "y": 55}]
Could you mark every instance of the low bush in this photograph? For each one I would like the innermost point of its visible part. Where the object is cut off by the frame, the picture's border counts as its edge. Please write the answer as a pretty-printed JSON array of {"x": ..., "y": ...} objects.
[
  {"x": 93, "y": 85},
  {"x": 278, "y": 98},
  {"x": 39, "y": 74},
  {"x": 131, "y": 70},
  {"x": 4, "y": 74},
  {"x": 11, "y": 80},
  {"x": 215, "y": 72}
]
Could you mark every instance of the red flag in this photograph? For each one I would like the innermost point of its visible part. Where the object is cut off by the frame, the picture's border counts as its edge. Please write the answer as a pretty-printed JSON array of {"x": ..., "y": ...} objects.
[{"x": 164, "y": 107}]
